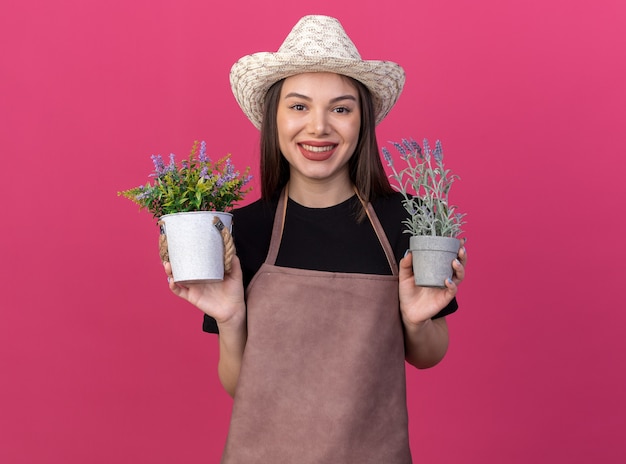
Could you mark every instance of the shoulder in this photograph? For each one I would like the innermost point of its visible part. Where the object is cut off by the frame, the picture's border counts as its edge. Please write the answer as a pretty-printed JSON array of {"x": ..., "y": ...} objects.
[
  {"x": 252, "y": 224},
  {"x": 258, "y": 212},
  {"x": 252, "y": 232}
]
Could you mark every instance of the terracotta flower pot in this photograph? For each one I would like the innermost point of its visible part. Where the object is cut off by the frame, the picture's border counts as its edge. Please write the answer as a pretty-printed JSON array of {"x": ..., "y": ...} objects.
[
  {"x": 432, "y": 259},
  {"x": 195, "y": 246}
]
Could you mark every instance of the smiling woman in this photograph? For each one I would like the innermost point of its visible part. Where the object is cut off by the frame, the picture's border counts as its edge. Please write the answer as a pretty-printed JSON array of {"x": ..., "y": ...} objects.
[{"x": 316, "y": 300}]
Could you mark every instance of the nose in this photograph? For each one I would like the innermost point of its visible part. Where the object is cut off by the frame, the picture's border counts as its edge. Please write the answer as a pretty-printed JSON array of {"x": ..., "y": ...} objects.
[{"x": 318, "y": 123}]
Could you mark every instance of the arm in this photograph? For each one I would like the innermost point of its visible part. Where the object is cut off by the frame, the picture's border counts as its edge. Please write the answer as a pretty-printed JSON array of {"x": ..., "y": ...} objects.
[
  {"x": 426, "y": 343},
  {"x": 232, "y": 341},
  {"x": 224, "y": 301},
  {"x": 426, "y": 339}
]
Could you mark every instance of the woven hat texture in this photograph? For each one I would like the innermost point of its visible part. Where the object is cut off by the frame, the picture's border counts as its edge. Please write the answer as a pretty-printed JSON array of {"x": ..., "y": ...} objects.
[{"x": 315, "y": 44}]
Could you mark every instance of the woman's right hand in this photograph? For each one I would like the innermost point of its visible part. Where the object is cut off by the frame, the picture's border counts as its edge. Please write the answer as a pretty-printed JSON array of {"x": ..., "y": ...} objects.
[{"x": 223, "y": 300}]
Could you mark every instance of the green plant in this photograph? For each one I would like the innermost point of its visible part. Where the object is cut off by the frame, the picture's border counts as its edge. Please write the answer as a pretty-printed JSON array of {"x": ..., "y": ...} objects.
[
  {"x": 198, "y": 184},
  {"x": 425, "y": 185}
]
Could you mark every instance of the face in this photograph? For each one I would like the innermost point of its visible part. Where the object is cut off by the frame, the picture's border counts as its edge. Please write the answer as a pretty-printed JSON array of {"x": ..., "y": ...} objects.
[{"x": 318, "y": 121}]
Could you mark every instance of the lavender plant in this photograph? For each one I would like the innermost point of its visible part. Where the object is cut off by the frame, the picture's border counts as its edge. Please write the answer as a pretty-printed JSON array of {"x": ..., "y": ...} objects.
[
  {"x": 425, "y": 185},
  {"x": 198, "y": 184}
]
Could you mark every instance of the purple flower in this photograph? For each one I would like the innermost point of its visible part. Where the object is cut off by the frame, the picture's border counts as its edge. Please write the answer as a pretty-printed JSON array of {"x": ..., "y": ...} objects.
[
  {"x": 159, "y": 165},
  {"x": 145, "y": 193},
  {"x": 202, "y": 156},
  {"x": 229, "y": 173},
  {"x": 172, "y": 166},
  {"x": 438, "y": 152},
  {"x": 415, "y": 147},
  {"x": 387, "y": 156},
  {"x": 400, "y": 149},
  {"x": 230, "y": 169}
]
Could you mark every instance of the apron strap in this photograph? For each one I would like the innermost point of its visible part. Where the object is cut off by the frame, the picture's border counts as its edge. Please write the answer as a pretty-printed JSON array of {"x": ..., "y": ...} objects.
[
  {"x": 380, "y": 233},
  {"x": 279, "y": 226}
]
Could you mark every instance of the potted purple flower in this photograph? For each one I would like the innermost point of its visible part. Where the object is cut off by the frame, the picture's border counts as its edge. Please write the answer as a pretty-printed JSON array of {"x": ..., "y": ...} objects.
[
  {"x": 434, "y": 223},
  {"x": 189, "y": 199}
]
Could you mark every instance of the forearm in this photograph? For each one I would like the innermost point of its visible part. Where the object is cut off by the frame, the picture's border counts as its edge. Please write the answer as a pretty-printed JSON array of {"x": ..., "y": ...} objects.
[
  {"x": 232, "y": 342},
  {"x": 426, "y": 343}
]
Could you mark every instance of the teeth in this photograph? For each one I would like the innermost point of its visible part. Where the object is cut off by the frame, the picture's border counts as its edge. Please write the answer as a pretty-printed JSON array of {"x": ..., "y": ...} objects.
[{"x": 318, "y": 149}]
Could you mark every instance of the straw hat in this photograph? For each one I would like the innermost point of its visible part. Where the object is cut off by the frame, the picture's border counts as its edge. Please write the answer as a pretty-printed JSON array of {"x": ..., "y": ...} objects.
[{"x": 315, "y": 44}]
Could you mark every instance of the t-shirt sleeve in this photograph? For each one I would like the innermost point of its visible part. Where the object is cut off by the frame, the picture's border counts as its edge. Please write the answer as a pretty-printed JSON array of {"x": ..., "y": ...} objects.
[
  {"x": 452, "y": 307},
  {"x": 209, "y": 325}
]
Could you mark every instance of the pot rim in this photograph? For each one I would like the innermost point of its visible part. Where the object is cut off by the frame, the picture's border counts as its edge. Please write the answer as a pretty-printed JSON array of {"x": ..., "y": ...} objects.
[{"x": 195, "y": 212}]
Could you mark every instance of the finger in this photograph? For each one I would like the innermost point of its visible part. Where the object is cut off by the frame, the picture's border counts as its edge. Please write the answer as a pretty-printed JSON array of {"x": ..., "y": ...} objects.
[
  {"x": 174, "y": 287},
  {"x": 451, "y": 287},
  {"x": 406, "y": 265},
  {"x": 462, "y": 254},
  {"x": 235, "y": 268},
  {"x": 459, "y": 271},
  {"x": 177, "y": 289},
  {"x": 167, "y": 267}
]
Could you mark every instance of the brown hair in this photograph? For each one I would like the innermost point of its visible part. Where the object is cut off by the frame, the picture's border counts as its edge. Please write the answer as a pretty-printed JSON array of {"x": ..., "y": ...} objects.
[{"x": 365, "y": 167}]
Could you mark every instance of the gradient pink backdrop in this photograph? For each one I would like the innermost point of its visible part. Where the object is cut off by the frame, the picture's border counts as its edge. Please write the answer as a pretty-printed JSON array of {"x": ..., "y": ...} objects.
[{"x": 100, "y": 363}]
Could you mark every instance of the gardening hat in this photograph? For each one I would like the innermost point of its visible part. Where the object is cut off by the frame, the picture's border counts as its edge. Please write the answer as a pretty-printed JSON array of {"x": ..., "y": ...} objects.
[{"x": 315, "y": 44}]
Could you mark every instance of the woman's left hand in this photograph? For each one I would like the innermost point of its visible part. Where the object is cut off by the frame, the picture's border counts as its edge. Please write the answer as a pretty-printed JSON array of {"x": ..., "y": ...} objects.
[{"x": 419, "y": 304}]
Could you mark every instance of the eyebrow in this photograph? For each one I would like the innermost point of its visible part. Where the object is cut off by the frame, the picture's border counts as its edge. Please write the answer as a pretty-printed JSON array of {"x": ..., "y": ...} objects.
[{"x": 333, "y": 100}]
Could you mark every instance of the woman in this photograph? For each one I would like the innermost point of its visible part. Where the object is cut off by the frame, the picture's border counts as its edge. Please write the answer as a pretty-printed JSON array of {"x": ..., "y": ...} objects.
[{"x": 312, "y": 344}]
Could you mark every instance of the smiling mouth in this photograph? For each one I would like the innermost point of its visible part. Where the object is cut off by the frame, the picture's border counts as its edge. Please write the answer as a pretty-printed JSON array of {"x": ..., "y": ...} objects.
[{"x": 315, "y": 149}]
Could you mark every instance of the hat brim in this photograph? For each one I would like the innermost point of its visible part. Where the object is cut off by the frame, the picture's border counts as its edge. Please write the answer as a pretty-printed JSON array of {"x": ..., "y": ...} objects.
[{"x": 253, "y": 75}]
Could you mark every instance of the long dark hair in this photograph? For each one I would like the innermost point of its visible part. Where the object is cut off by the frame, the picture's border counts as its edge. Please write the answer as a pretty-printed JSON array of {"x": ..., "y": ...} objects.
[{"x": 365, "y": 167}]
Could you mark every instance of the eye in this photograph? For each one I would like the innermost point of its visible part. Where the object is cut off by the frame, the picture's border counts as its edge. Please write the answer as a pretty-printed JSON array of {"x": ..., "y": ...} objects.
[
  {"x": 342, "y": 110},
  {"x": 298, "y": 107}
]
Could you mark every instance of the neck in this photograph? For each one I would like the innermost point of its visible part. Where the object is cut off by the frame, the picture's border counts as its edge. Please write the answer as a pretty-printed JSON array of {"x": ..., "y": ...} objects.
[{"x": 319, "y": 194}]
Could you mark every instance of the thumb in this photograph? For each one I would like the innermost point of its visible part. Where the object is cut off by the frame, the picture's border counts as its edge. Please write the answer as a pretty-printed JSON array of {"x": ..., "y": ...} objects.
[{"x": 406, "y": 265}]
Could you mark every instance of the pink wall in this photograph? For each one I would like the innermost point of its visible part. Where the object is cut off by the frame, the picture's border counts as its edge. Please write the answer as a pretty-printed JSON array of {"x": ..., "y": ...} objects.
[{"x": 101, "y": 364}]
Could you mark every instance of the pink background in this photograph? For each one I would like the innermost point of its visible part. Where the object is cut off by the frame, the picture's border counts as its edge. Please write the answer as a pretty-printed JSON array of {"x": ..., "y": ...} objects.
[{"x": 100, "y": 363}]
